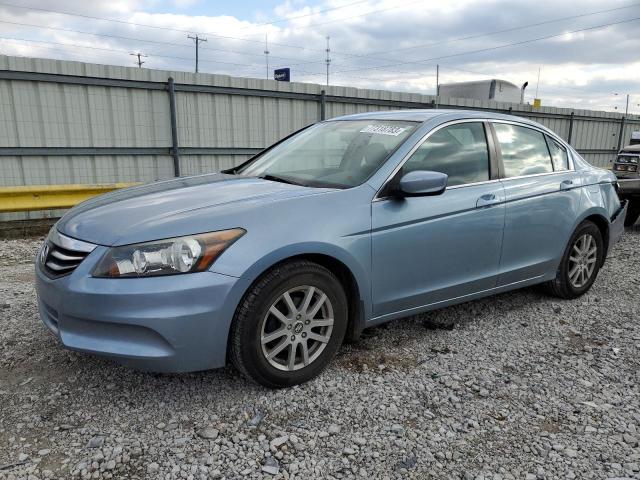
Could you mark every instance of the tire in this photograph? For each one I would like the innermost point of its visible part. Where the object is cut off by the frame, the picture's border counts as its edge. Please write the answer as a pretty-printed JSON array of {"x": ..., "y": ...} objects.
[
  {"x": 265, "y": 314},
  {"x": 633, "y": 212},
  {"x": 565, "y": 285}
]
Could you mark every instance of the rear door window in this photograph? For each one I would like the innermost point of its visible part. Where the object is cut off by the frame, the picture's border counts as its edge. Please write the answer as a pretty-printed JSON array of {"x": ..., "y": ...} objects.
[{"x": 524, "y": 150}]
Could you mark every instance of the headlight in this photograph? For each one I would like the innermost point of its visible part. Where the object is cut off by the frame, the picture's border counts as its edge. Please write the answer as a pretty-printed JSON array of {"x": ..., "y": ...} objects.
[{"x": 193, "y": 253}]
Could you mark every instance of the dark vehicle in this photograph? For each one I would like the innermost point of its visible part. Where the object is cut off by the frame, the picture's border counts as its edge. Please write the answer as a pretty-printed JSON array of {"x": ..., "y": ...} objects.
[{"x": 626, "y": 167}]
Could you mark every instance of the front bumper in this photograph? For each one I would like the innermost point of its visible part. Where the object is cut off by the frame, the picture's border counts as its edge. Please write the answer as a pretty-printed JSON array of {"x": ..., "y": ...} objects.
[
  {"x": 166, "y": 324},
  {"x": 628, "y": 187}
]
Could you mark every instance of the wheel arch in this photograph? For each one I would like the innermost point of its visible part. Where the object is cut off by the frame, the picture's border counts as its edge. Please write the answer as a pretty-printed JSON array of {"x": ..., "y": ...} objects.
[
  {"x": 349, "y": 284},
  {"x": 598, "y": 216},
  {"x": 338, "y": 261}
]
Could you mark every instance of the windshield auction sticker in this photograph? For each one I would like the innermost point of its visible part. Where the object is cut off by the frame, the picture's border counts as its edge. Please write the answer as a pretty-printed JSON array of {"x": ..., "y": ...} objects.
[{"x": 384, "y": 129}]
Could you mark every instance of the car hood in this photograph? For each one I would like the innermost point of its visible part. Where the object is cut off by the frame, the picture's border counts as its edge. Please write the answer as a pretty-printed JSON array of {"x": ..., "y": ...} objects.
[{"x": 171, "y": 208}]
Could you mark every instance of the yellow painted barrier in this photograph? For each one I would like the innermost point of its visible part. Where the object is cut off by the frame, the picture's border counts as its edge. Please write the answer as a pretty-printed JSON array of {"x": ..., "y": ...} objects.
[{"x": 49, "y": 197}]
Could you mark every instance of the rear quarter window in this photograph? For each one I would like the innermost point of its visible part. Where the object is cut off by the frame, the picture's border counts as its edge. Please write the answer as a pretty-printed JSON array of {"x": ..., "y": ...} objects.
[{"x": 558, "y": 155}]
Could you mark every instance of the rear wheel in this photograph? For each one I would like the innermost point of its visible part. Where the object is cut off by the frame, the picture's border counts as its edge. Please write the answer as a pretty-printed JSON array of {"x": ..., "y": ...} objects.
[
  {"x": 580, "y": 263},
  {"x": 289, "y": 325}
]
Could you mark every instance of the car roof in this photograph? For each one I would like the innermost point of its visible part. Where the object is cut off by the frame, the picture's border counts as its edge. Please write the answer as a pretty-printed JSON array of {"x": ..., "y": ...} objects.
[{"x": 429, "y": 114}]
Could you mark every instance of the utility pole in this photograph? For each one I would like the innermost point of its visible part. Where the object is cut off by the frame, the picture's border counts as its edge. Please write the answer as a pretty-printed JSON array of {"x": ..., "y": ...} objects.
[
  {"x": 266, "y": 53},
  {"x": 328, "y": 59},
  {"x": 437, "y": 83},
  {"x": 626, "y": 110},
  {"x": 140, "y": 56},
  {"x": 538, "y": 82},
  {"x": 197, "y": 39}
]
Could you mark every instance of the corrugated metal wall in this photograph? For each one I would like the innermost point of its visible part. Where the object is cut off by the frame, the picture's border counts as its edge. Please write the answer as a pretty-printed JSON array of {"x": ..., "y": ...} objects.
[{"x": 89, "y": 109}]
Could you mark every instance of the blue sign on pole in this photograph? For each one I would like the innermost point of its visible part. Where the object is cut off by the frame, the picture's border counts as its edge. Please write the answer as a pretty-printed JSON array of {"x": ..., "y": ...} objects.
[{"x": 282, "y": 74}]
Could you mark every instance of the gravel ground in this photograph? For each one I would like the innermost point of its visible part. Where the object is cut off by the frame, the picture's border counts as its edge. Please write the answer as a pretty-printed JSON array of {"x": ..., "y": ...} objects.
[{"x": 516, "y": 386}]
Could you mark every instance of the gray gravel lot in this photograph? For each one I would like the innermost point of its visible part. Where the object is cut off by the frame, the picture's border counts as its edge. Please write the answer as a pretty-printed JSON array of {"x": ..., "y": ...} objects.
[{"x": 519, "y": 385}]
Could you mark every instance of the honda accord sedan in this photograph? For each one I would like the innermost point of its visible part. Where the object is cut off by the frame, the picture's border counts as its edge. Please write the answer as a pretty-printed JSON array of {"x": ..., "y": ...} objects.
[{"x": 343, "y": 225}]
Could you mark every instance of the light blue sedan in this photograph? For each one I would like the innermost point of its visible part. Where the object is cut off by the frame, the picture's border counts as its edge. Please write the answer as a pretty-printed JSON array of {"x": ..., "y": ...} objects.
[{"x": 343, "y": 225}]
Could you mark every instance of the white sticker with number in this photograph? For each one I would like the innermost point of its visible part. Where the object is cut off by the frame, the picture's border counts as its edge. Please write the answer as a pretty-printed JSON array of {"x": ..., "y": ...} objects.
[{"x": 383, "y": 130}]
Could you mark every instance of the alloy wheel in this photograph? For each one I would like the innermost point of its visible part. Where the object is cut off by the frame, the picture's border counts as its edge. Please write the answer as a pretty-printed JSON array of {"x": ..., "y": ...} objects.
[
  {"x": 582, "y": 260},
  {"x": 297, "y": 328}
]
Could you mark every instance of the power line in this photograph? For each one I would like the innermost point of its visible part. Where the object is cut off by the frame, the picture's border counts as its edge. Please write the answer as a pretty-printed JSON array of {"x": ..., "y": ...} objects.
[
  {"x": 156, "y": 42},
  {"x": 375, "y": 55},
  {"x": 488, "y": 49},
  {"x": 449, "y": 67},
  {"x": 382, "y": 67},
  {"x": 172, "y": 57},
  {"x": 123, "y": 51},
  {"x": 341, "y": 19},
  {"x": 122, "y": 37},
  {"x": 552, "y": 90},
  {"x": 370, "y": 55},
  {"x": 125, "y": 22},
  {"x": 506, "y": 30},
  {"x": 211, "y": 34},
  {"x": 319, "y": 12},
  {"x": 417, "y": 73}
]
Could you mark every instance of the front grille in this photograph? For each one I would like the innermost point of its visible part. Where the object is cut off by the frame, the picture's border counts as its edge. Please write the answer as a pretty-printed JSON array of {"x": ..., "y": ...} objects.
[{"x": 60, "y": 261}]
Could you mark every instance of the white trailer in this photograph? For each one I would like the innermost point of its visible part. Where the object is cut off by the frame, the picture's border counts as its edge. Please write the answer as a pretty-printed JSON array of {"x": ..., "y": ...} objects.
[{"x": 494, "y": 89}]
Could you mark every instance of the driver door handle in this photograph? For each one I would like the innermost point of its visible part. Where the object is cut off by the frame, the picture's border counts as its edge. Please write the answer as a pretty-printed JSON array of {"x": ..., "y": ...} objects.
[
  {"x": 566, "y": 184},
  {"x": 487, "y": 200}
]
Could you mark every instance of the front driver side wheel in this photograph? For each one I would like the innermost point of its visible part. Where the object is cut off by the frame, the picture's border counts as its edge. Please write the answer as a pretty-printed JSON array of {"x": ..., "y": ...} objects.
[
  {"x": 289, "y": 325},
  {"x": 580, "y": 263}
]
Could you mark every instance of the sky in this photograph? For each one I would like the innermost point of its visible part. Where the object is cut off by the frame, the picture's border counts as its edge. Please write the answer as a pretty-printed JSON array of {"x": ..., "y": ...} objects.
[{"x": 587, "y": 51}]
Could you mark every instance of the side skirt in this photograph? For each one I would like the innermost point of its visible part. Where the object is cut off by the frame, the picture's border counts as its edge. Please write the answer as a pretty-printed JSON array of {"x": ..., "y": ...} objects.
[{"x": 462, "y": 299}]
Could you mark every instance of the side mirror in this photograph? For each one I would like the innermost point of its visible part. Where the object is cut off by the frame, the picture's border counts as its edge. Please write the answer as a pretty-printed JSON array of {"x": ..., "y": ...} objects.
[{"x": 421, "y": 183}]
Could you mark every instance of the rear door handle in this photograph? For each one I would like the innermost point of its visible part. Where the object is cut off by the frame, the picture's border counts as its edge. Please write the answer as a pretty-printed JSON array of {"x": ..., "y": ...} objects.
[
  {"x": 487, "y": 200},
  {"x": 566, "y": 184}
]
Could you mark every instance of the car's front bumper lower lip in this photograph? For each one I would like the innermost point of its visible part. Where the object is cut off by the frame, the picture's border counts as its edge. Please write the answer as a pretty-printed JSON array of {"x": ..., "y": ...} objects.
[{"x": 166, "y": 324}]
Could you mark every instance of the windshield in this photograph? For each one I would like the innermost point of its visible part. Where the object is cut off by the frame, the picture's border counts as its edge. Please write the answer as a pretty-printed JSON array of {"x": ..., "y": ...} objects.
[{"x": 340, "y": 154}]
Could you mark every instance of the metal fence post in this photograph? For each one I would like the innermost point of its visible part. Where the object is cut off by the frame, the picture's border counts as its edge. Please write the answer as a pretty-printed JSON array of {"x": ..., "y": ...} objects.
[
  {"x": 175, "y": 148},
  {"x": 323, "y": 105},
  {"x": 570, "y": 128},
  {"x": 621, "y": 134}
]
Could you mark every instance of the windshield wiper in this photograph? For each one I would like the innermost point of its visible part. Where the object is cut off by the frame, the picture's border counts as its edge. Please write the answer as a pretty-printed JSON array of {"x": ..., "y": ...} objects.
[{"x": 277, "y": 178}]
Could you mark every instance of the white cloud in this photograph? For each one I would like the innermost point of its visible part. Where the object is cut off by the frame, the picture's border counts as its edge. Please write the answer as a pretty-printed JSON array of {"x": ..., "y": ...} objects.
[{"x": 580, "y": 69}]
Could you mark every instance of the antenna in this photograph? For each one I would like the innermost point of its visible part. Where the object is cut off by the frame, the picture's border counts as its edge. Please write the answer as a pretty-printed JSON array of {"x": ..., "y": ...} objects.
[
  {"x": 328, "y": 59},
  {"x": 266, "y": 52},
  {"x": 197, "y": 39},
  {"x": 140, "y": 56}
]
